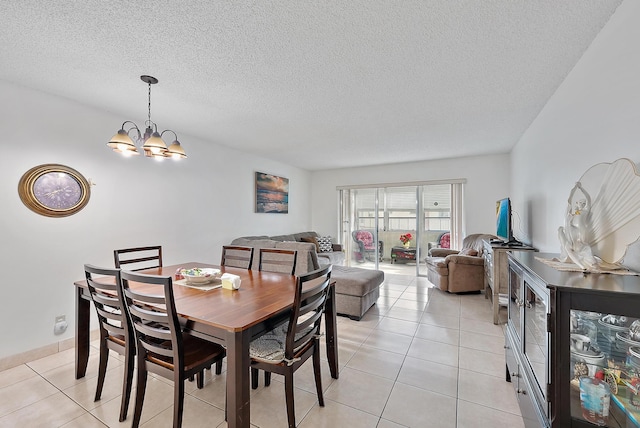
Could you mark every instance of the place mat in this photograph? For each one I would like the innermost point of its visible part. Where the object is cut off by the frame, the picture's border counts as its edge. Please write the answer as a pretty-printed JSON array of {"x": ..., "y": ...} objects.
[
  {"x": 216, "y": 283},
  {"x": 572, "y": 267}
]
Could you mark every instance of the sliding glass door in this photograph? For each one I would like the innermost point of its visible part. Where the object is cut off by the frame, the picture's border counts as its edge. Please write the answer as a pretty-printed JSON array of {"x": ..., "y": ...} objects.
[
  {"x": 361, "y": 230},
  {"x": 377, "y": 219},
  {"x": 439, "y": 230}
]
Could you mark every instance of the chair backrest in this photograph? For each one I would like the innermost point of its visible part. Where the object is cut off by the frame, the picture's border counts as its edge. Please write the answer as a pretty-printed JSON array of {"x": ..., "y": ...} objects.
[
  {"x": 155, "y": 322},
  {"x": 277, "y": 260},
  {"x": 308, "y": 305},
  {"x": 109, "y": 303},
  {"x": 237, "y": 256},
  {"x": 364, "y": 236},
  {"x": 138, "y": 258},
  {"x": 445, "y": 240}
]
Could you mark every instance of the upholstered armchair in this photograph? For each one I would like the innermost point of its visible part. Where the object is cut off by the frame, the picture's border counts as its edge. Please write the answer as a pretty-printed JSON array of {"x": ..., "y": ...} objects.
[
  {"x": 443, "y": 241},
  {"x": 458, "y": 271},
  {"x": 365, "y": 247}
]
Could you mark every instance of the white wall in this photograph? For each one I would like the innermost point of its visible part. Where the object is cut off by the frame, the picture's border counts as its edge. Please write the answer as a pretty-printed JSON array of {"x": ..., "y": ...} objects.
[
  {"x": 487, "y": 181},
  {"x": 190, "y": 208},
  {"x": 593, "y": 117}
]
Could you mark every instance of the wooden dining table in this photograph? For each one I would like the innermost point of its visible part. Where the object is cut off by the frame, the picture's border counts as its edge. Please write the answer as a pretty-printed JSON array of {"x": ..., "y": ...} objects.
[{"x": 231, "y": 318}]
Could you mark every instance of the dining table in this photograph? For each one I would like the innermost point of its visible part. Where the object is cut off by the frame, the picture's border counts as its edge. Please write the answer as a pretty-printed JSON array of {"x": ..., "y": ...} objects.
[{"x": 231, "y": 318}]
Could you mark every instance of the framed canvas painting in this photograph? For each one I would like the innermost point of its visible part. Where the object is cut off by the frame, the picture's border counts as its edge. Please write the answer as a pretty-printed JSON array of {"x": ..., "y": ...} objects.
[{"x": 272, "y": 194}]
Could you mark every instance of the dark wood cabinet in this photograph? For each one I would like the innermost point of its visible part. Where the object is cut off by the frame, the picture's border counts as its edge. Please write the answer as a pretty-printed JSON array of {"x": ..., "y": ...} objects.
[{"x": 569, "y": 350}]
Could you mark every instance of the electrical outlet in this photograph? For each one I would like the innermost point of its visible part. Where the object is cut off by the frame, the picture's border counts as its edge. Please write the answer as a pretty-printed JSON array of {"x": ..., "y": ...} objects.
[{"x": 60, "y": 325}]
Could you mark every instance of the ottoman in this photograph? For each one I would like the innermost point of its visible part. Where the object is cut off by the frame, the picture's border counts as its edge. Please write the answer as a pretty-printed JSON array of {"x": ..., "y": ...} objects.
[{"x": 356, "y": 290}]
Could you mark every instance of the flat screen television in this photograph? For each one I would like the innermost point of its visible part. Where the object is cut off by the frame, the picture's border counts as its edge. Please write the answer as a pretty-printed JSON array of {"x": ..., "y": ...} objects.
[{"x": 503, "y": 220}]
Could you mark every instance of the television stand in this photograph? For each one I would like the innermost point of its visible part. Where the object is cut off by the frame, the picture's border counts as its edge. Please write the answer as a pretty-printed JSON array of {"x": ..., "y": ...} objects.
[
  {"x": 513, "y": 242},
  {"x": 496, "y": 280}
]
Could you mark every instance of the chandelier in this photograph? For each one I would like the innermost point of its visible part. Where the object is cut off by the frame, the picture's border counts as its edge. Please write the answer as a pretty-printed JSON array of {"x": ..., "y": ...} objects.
[{"x": 152, "y": 144}]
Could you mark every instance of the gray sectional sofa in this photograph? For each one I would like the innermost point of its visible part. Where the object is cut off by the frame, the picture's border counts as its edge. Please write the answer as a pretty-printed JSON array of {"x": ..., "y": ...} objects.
[
  {"x": 356, "y": 289},
  {"x": 308, "y": 256}
]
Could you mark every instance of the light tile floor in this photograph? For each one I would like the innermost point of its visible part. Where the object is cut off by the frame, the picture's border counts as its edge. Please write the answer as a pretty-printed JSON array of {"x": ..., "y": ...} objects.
[{"x": 419, "y": 358}]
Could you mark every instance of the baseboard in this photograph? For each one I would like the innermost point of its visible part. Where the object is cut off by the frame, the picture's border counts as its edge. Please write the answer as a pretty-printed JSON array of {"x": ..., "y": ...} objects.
[{"x": 44, "y": 351}]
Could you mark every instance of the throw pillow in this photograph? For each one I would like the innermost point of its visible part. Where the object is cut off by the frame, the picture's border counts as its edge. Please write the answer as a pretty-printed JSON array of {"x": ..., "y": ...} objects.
[
  {"x": 468, "y": 252},
  {"x": 313, "y": 241},
  {"x": 325, "y": 245}
]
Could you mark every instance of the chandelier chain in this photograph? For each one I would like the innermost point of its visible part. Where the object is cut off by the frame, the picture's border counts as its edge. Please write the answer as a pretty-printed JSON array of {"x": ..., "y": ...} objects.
[{"x": 149, "y": 102}]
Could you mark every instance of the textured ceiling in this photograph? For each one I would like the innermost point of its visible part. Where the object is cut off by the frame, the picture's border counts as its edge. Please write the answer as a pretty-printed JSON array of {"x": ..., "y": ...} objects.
[{"x": 316, "y": 84}]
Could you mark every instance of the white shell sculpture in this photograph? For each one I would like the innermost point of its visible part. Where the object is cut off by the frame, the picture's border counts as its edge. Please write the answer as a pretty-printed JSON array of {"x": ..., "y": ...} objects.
[{"x": 603, "y": 216}]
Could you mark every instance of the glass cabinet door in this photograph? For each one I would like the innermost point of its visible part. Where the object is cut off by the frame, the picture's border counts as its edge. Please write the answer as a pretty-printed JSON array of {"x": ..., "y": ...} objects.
[
  {"x": 536, "y": 343},
  {"x": 605, "y": 369},
  {"x": 515, "y": 299}
]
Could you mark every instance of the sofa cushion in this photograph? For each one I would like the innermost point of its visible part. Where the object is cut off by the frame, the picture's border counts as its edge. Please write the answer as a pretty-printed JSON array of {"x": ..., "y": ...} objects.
[
  {"x": 355, "y": 281},
  {"x": 468, "y": 252},
  {"x": 250, "y": 238},
  {"x": 282, "y": 238},
  {"x": 438, "y": 264},
  {"x": 441, "y": 252},
  {"x": 333, "y": 258},
  {"x": 311, "y": 239},
  {"x": 306, "y": 260},
  {"x": 255, "y": 243},
  {"x": 465, "y": 260},
  {"x": 299, "y": 236}
]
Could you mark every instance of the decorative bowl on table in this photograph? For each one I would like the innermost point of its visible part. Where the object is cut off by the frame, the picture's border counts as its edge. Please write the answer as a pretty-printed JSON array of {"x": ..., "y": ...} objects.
[{"x": 200, "y": 275}]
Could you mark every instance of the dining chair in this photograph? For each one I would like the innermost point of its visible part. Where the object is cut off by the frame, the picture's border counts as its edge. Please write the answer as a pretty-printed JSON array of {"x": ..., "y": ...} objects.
[
  {"x": 284, "y": 349},
  {"x": 273, "y": 260},
  {"x": 163, "y": 347},
  {"x": 138, "y": 258},
  {"x": 236, "y": 256},
  {"x": 277, "y": 260},
  {"x": 115, "y": 332}
]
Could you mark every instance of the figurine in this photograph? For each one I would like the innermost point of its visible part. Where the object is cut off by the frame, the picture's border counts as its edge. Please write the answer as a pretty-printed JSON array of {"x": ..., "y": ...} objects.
[{"x": 574, "y": 235}]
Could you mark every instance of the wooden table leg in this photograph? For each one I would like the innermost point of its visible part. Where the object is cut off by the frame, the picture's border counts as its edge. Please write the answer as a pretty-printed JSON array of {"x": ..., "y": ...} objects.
[
  {"x": 238, "y": 408},
  {"x": 331, "y": 332},
  {"x": 83, "y": 307}
]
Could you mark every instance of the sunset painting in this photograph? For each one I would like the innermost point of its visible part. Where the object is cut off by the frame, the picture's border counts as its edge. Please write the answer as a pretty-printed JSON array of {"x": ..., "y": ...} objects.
[{"x": 272, "y": 194}]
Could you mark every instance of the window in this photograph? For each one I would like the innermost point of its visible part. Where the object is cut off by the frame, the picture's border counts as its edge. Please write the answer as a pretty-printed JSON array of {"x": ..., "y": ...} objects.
[
  {"x": 436, "y": 204},
  {"x": 425, "y": 209}
]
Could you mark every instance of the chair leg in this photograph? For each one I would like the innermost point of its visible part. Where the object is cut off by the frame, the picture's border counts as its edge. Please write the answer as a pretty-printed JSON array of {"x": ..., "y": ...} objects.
[
  {"x": 102, "y": 368},
  {"x": 267, "y": 378},
  {"x": 288, "y": 389},
  {"x": 219, "y": 367},
  {"x": 178, "y": 402},
  {"x": 140, "y": 390},
  {"x": 126, "y": 386},
  {"x": 200, "y": 379},
  {"x": 254, "y": 378},
  {"x": 317, "y": 373}
]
